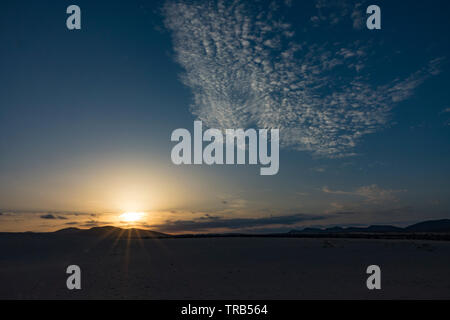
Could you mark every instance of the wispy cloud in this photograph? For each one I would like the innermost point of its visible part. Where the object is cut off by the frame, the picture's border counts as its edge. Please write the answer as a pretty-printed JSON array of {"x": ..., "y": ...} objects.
[
  {"x": 245, "y": 70},
  {"x": 45, "y": 212},
  {"x": 371, "y": 193},
  {"x": 319, "y": 169},
  {"x": 52, "y": 217},
  {"x": 446, "y": 112}
]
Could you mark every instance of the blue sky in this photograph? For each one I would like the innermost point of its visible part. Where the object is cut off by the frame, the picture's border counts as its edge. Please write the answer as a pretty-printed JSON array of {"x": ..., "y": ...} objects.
[{"x": 86, "y": 115}]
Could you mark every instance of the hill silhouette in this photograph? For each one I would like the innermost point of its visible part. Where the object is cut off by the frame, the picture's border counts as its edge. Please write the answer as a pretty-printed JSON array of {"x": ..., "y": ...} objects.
[
  {"x": 426, "y": 230},
  {"x": 433, "y": 226},
  {"x": 110, "y": 231}
]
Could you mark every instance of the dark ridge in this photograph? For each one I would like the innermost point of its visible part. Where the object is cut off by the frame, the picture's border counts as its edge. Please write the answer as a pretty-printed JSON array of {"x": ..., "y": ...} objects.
[
  {"x": 110, "y": 231},
  {"x": 427, "y": 230},
  {"x": 435, "y": 226}
]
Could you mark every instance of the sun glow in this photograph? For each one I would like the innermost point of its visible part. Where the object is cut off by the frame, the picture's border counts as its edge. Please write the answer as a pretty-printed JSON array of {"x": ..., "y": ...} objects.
[{"x": 132, "y": 216}]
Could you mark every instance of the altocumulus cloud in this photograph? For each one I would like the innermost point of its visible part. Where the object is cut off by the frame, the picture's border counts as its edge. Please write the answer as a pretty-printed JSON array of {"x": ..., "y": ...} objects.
[
  {"x": 245, "y": 70},
  {"x": 52, "y": 217}
]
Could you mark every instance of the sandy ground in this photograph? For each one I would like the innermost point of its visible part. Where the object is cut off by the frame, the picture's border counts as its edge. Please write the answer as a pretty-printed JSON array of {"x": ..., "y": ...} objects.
[{"x": 33, "y": 267}]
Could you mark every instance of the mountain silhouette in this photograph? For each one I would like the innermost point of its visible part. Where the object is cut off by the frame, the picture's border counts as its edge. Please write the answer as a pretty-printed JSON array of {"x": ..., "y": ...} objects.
[
  {"x": 436, "y": 226},
  {"x": 109, "y": 231}
]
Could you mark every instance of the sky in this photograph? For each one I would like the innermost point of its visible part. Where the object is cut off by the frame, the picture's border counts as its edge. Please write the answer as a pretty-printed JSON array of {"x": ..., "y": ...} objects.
[{"x": 86, "y": 115}]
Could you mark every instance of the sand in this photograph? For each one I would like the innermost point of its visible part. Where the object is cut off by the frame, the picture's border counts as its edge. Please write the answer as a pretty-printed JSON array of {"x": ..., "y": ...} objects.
[{"x": 33, "y": 267}]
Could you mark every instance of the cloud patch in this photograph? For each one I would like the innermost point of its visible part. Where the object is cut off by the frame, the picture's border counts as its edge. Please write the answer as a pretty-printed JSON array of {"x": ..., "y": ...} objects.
[
  {"x": 371, "y": 193},
  {"x": 245, "y": 70},
  {"x": 332, "y": 12}
]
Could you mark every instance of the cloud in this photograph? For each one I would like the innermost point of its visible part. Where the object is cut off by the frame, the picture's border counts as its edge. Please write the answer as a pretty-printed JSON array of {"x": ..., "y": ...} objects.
[
  {"x": 371, "y": 193},
  {"x": 358, "y": 17},
  {"x": 235, "y": 203},
  {"x": 332, "y": 12},
  {"x": 345, "y": 213},
  {"x": 52, "y": 212},
  {"x": 245, "y": 70},
  {"x": 445, "y": 112},
  {"x": 51, "y": 217},
  {"x": 207, "y": 222}
]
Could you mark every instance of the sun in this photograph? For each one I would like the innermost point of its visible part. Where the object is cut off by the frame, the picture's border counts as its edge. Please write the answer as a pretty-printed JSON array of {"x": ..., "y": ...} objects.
[{"x": 132, "y": 216}]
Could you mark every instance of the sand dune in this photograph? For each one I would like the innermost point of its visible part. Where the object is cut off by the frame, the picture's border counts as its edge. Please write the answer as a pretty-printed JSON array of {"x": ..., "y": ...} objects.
[{"x": 33, "y": 266}]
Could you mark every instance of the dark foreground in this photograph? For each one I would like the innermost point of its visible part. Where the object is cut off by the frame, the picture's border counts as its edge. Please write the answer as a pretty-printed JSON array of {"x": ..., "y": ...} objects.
[{"x": 33, "y": 266}]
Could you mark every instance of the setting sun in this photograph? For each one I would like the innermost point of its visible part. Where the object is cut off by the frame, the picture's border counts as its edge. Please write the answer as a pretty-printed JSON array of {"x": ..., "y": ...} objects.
[{"x": 132, "y": 216}]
